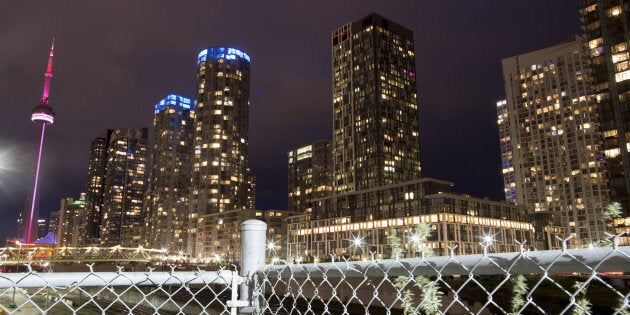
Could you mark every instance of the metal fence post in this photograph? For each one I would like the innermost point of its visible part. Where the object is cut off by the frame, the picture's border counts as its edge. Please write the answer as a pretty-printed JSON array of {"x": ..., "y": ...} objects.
[{"x": 254, "y": 238}]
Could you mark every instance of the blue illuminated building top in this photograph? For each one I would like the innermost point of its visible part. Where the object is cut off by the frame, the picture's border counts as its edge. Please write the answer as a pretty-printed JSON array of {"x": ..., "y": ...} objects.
[
  {"x": 222, "y": 52},
  {"x": 176, "y": 100}
]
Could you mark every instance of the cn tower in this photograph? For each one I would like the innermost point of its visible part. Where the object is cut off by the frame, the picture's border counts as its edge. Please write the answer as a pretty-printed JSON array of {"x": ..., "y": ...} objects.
[{"x": 42, "y": 115}]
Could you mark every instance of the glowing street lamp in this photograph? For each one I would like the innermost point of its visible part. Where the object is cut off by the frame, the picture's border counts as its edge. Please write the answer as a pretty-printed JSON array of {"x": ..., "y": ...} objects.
[
  {"x": 357, "y": 242},
  {"x": 487, "y": 240},
  {"x": 271, "y": 245}
]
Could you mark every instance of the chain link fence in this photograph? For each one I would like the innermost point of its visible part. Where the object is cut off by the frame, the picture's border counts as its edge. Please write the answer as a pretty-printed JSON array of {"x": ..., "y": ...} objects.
[
  {"x": 175, "y": 292},
  {"x": 567, "y": 281},
  {"x": 576, "y": 281}
]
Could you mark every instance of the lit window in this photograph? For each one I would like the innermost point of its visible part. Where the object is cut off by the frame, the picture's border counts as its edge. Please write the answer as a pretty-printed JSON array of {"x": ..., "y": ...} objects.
[
  {"x": 622, "y": 76},
  {"x": 620, "y": 57},
  {"x": 612, "y": 153},
  {"x": 595, "y": 43},
  {"x": 614, "y": 11}
]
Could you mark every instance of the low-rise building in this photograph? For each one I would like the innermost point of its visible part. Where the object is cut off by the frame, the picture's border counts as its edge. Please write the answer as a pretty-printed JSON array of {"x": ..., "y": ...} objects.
[
  {"x": 460, "y": 223},
  {"x": 223, "y": 240}
]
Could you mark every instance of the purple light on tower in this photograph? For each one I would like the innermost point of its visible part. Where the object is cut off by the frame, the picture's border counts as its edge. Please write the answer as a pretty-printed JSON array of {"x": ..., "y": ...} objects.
[{"x": 43, "y": 115}]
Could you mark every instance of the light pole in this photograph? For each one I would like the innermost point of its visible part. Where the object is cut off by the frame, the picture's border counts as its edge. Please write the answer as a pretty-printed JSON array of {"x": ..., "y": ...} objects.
[{"x": 17, "y": 268}]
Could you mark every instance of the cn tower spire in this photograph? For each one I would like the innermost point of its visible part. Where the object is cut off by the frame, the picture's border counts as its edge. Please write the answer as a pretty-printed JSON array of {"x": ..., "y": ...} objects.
[
  {"x": 42, "y": 115},
  {"x": 43, "y": 112},
  {"x": 48, "y": 74}
]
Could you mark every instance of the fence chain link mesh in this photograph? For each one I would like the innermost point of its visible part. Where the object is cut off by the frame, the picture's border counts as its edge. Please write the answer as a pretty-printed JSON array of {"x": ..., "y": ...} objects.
[
  {"x": 174, "y": 292},
  {"x": 567, "y": 281},
  {"x": 576, "y": 281}
]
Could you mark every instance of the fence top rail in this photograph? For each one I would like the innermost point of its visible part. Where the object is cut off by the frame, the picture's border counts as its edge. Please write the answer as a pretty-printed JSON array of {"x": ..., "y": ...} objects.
[
  {"x": 88, "y": 279},
  {"x": 587, "y": 260}
]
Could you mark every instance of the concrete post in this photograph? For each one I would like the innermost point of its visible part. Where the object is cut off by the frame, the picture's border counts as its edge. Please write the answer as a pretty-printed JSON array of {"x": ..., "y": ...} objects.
[{"x": 254, "y": 238}]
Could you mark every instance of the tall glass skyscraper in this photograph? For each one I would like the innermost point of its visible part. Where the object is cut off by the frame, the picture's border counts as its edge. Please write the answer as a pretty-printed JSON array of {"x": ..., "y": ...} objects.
[
  {"x": 169, "y": 183},
  {"x": 122, "y": 211},
  {"x": 376, "y": 179},
  {"x": 95, "y": 186},
  {"x": 221, "y": 179},
  {"x": 375, "y": 116},
  {"x": 606, "y": 24},
  {"x": 375, "y": 105},
  {"x": 309, "y": 175},
  {"x": 555, "y": 146}
]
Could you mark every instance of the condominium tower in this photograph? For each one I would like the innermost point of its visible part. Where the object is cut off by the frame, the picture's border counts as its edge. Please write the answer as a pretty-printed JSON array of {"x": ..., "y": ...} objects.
[
  {"x": 375, "y": 116},
  {"x": 72, "y": 221},
  {"x": 53, "y": 222},
  {"x": 505, "y": 141},
  {"x": 169, "y": 182},
  {"x": 310, "y": 175},
  {"x": 606, "y": 25},
  {"x": 122, "y": 210},
  {"x": 377, "y": 189},
  {"x": 95, "y": 186},
  {"x": 555, "y": 144},
  {"x": 221, "y": 179},
  {"x": 375, "y": 105}
]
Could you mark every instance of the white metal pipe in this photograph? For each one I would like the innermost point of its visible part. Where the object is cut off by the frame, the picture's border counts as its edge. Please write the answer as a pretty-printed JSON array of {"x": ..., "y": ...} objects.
[
  {"x": 89, "y": 279},
  {"x": 534, "y": 262},
  {"x": 254, "y": 238}
]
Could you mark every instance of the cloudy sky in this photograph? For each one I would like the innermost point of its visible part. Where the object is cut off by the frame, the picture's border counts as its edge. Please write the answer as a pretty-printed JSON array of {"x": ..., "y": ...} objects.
[{"x": 115, "y": 59}]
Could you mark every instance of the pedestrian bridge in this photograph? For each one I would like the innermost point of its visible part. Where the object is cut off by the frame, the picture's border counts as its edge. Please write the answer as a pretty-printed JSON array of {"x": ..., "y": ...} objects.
[{"x": 43, "y": 253}]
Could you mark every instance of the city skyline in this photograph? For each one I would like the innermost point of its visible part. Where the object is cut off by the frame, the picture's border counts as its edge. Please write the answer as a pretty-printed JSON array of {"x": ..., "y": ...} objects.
[{"x": 290, "y": 99}]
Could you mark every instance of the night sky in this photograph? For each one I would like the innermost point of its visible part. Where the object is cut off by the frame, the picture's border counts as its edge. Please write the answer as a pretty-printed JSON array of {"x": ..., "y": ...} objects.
[{"x": 115, "y": 59}]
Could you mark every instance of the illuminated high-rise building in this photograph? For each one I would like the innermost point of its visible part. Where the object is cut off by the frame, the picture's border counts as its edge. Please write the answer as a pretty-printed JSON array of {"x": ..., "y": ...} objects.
[
  {"x": 377, "y": 188},
  {"x": 556, "y": 147},
  {"x": 221, "y": 179},
  {"x": 608, "y": 38},
  {"x": 122, "y": 210},
  {"x": 72, "y": 221},
  {"x": 375, "y": 105},
  {"x": 95, "y": 187},
  {"x": 42, "y": 227},
  {"x": 42, "y": 115},
  {"x": 507, "y": 162},
  {"x": 310, "y": 175},
  {"x": 375, "y": 116},
  {"x": 167, "y": 198},
  {"x": 53, "y": 222}
]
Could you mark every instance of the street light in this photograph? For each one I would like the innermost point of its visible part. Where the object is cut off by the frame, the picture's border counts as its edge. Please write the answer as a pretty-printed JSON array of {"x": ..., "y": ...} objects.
[
  {"x": 358, "y": 242},
  {"x": 487, "y": 241},
  {"x": 271, "y": 245},
  {"x": 19, "y": 252}
]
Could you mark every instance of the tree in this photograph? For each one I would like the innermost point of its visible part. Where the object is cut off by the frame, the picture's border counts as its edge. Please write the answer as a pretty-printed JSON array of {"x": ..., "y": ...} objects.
[{"x": 613, "y": 211}]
